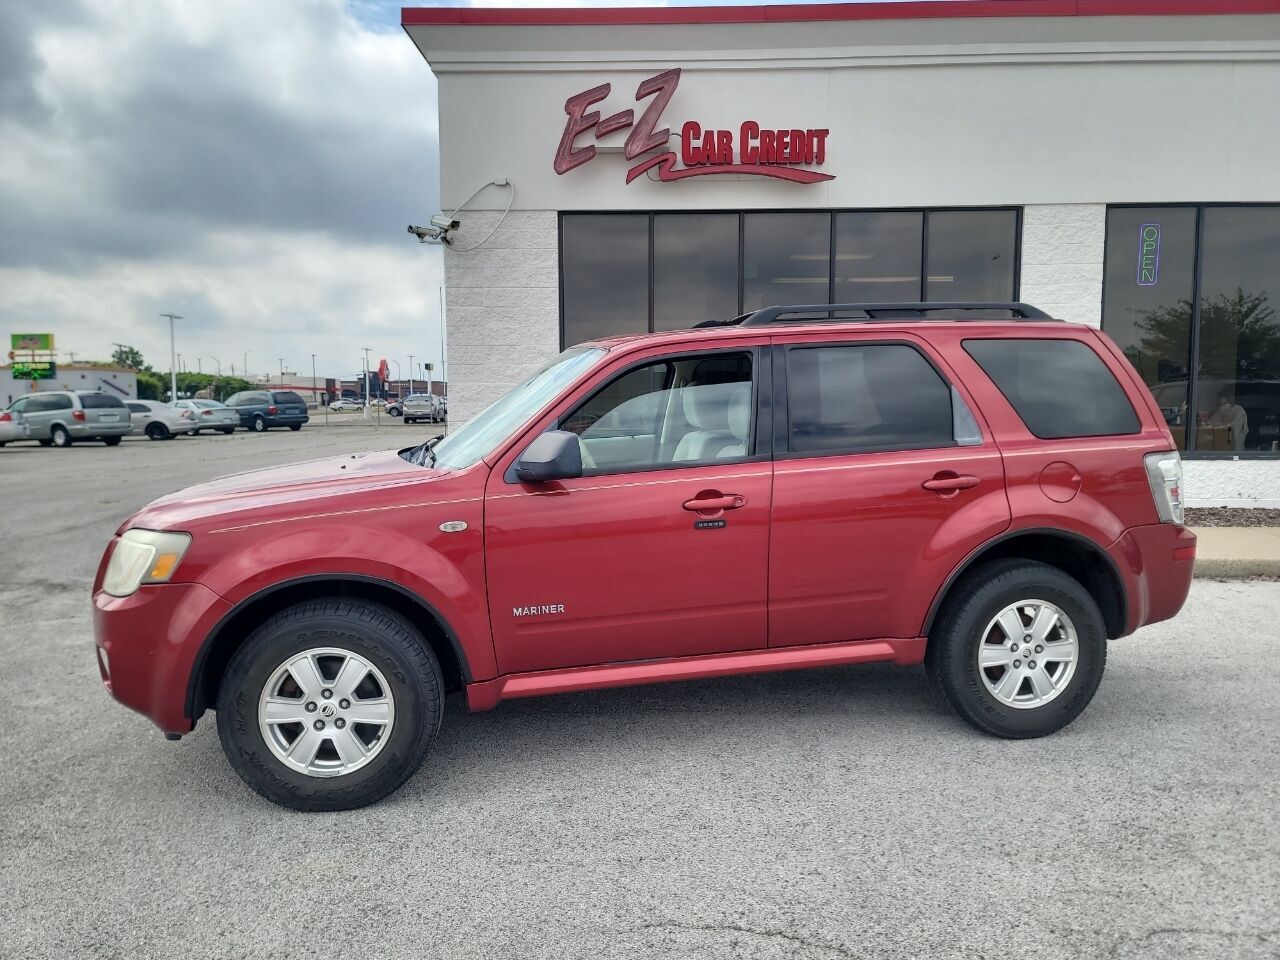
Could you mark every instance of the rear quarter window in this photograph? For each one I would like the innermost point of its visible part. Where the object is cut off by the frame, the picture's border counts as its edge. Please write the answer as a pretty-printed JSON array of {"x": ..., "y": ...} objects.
[
  {"x": 99, "y": 401},
  {"x": 286, "y": 396},
  {"x": 1060, "y": 388}
]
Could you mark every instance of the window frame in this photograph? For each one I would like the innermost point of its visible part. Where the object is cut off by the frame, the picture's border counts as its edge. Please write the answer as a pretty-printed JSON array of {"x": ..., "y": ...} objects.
[
  {"x": 782, "y": 409},
  {"x": 760, "y": 443},
  {"x": 742, "y": 213},
  {"x": 1190, "y": 453}
]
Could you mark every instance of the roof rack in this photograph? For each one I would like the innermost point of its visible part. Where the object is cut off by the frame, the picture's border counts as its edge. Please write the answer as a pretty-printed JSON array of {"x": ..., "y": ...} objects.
[{"x": 877, "y": 311}]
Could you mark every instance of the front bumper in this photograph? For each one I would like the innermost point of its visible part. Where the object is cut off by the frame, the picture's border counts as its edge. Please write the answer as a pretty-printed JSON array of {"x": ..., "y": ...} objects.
[
  {"x": 150, "y": 641},
  {"x": 1157, "y": 562}
]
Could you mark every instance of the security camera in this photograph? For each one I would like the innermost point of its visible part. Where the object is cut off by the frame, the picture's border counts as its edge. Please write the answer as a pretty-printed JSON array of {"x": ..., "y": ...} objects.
[
  {"x": 445, "y": 224},
  {"x": 428, "y": 234}
]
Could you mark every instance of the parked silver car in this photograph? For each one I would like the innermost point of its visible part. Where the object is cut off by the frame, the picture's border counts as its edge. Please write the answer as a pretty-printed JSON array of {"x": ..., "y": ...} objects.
[
  {"x": 210, "y": 415},
  {"x": 13, "y": 426},
  {"x": 59, "y": 417},
  {"x": 421, "y": 406},
  {"x": 159, "y": 421}
]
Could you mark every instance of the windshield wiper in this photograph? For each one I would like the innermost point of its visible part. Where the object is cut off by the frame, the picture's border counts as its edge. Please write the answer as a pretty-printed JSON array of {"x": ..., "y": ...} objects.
[{"x": 419, "y": 455}]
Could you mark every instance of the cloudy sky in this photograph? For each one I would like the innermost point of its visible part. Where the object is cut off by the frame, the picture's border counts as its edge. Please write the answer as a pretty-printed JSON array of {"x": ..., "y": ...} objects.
[{"x": 249, "y": 164}]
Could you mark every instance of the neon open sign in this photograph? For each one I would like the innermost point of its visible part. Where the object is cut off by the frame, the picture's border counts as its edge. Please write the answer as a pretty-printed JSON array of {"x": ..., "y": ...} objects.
[{"x": 1148, "y": 254}]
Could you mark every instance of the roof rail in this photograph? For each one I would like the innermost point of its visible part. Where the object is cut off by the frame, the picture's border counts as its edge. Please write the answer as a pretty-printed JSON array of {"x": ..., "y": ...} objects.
[{"x": 880, "y": 311}]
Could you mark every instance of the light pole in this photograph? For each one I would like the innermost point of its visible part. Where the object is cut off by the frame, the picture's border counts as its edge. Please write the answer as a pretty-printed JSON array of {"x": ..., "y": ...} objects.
[
  {"x": 246, "y": 362},
  {"x": 366, "y": 380},
  {"x": 199, "y": 368},
  {"x": 218, "y": 362},
  {"x": 411, "y": 384},
  {"x": 399, "y": 379},
  {"x": 281, "y": 359},
  {"x": 173, "y": 356}
]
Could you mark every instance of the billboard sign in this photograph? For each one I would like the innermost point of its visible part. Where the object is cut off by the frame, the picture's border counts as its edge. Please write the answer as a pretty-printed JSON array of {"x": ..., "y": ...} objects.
[
  {"x": 31, "y": 341},
  {"x": 34, "y": 370}
]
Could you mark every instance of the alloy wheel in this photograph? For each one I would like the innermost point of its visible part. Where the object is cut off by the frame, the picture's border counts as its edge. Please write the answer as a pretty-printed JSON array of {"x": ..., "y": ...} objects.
[
  {"x": 1028, "y": 654},
  {"x": 326, "y": 712}
]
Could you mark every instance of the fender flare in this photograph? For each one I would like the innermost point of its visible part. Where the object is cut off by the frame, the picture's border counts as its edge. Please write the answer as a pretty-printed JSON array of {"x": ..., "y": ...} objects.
[
  {"x": 976, "y": 555},
  {"x": 195, "y": 679}
]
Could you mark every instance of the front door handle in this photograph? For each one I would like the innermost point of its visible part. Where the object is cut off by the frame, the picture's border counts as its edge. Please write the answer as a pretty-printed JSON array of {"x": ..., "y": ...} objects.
[
  {"x": 947, "y": 482},
  {"x": 728, "y": 501}
]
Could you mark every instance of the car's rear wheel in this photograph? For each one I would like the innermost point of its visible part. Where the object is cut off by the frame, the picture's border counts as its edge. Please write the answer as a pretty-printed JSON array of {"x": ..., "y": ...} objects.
[
  {"x": 295, "y": 426},
  {"x": 1018, "y": 649},
  {"x": 228, "y": 430},
  {"x": 111, "y": 441},
  {"x": 59, "y": 436},
  {"x": 330, "y": 705},
  {"x": 157, "y": 431},
  {"x": 258, "y": 424}
]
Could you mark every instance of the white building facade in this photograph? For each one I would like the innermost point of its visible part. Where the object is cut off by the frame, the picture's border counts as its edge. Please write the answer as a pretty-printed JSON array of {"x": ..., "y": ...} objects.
[
  {"x": 116, "y": 381},
  {"x": 667, "y": 166}
]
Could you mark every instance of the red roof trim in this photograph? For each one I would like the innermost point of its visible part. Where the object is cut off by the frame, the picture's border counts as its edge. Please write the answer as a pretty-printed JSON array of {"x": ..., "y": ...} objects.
[{"x": 778, "y": 13}]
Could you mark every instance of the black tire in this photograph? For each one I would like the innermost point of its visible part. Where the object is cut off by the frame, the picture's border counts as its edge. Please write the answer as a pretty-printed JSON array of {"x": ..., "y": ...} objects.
[
  {"x": 157, "y": 431},
  {"x": 59, "y": 437},
  {"x": 295, "y": 426},
  {"x": 951, "y": 659},
  {"x": 111, "y": 441},
  {"x": 374, "y": 632},
  {"x": 45, "y": 443},
  {"x": 258, "y": 424},
  {"x": 227, "y": 430}
]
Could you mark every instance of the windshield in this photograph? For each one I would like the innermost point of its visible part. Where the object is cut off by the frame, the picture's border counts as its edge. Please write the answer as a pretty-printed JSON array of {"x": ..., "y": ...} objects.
[{"x": 482, "y": 434}]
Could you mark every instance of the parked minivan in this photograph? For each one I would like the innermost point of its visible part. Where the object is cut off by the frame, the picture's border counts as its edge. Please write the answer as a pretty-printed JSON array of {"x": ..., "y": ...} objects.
[
  {"x": 993, "y": 498},
  {"x": 260, "y": 410},
  {"x": 60, "y": 417}
]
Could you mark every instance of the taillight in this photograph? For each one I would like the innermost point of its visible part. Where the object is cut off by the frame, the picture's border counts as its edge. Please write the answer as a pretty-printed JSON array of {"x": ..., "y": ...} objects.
[
  {"x": 186, "y": 415},
  {"x": 271, "y": 410},
  {"x": 5, "y": 417},
  {"x": 1164, "y": 473},
  {"x": 77, "y": 415},
  {"x": 206, "y": 413}
]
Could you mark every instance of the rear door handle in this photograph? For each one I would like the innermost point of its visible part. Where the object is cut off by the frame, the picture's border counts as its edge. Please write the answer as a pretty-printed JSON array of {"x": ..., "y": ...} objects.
[
  {"x": 729, "y": 501},
  {"x": 949, "y": 483}
]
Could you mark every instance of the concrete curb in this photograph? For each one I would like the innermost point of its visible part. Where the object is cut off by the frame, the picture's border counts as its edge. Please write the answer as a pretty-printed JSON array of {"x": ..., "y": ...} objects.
[
  {"x": 1236, "y": 553},
  {"x": 1223, "y": 569}
]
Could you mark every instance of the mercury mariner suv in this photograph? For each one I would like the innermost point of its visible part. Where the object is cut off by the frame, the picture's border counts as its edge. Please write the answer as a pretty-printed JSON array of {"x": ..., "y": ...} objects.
[{"x": 974, "y": 487}]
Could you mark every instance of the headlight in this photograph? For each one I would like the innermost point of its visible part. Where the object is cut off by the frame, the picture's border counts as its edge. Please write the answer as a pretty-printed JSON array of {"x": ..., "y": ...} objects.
[{"x": 143, "y": 556}]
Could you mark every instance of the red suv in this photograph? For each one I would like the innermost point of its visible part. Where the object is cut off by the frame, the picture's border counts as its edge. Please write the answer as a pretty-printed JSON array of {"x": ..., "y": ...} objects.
[{"x": 801, "y": 487}]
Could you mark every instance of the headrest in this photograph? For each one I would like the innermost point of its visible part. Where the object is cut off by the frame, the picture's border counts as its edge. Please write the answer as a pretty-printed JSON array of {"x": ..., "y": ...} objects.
[{"x": 707, "y": 407}]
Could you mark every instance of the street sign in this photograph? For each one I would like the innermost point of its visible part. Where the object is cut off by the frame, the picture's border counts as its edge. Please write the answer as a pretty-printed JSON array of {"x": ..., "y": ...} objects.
[
  {"x": 428, "y": 366},
  {"x": 34, "y": 370},
  {"x": 31, "y": 341}
]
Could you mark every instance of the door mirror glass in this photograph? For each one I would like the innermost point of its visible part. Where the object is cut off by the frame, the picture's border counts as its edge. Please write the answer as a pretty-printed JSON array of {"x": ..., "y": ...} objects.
[{"x": 555, "y": 455}]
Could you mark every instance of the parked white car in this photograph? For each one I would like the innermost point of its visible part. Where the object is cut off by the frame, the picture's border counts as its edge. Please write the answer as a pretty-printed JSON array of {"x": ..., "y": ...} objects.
[
  {"x": 344, "y": 404},
  {"x": 13, "y": 426},
  {"x": 159, "y": 421},
  {"x": 210, "y": 415}
]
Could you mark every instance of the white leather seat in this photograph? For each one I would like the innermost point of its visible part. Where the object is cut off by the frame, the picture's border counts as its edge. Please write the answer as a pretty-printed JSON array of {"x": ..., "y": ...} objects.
[{"x": 720, "y": 415}]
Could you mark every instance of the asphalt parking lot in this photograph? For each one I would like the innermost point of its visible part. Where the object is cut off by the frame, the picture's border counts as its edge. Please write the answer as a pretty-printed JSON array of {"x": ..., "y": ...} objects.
[{"x": 813, "y": 815}]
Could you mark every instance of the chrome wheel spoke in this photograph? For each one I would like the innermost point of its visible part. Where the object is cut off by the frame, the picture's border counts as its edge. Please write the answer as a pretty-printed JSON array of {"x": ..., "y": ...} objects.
[
  {"x": 285, "y": 710},
  {"x": 1041, "y": 685},
  {"x": 306, "y": 674},
  {"x": 1061, "y": 650},
  {"x": 369, "y": 711},
  {"x": 993, "y": 655},
  {"x": 349, "y": 677},
  {"x": 1045, "y": 620},
  {"x": 303, "y": 750},
  {"x": 1010, "y": 623},
  {"x": 1009, "y": 684},
  {"x": 351, "y": 749}
]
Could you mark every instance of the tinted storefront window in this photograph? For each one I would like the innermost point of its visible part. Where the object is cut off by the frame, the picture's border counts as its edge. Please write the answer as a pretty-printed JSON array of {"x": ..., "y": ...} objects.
[
  {"x": 1152, "y": 309},
  {"x": 604, "y": 275},
  {"x": 695, "y": 268},
  {"x": 786, "y": 258},
  {"x": 878, "y": 256},
  {"x": 972, "y": 255}
]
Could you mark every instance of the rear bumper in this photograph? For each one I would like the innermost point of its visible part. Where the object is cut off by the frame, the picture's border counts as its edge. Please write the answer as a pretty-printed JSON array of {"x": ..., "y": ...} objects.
[
  {"x": 1157, "y": 563},
  {"x": 150, "y": 641},
  {"x": 286, "y": 419}
]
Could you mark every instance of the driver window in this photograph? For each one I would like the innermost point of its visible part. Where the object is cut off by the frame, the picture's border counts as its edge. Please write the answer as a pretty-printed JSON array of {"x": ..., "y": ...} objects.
[{"x": 683, "y": 411}]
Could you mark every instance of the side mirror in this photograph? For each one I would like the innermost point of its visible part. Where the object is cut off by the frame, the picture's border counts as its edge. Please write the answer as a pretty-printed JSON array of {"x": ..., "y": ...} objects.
[{"x": 555, "y": 455}]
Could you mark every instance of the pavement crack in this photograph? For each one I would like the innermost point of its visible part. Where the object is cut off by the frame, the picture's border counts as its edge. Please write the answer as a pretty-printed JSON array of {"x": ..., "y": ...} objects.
[{"x": 737, "y": 928}]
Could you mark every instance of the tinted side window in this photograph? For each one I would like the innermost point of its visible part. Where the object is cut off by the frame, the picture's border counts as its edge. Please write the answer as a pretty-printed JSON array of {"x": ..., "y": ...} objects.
[
  {"x": 860, "y": 398},
  {"x": 55, "y": 401},
  {"x": 137, "y": 408},
  {"x": 37, "y": 404},
  {"x": 1060, "y": 388},
  {"x": 99, "y": 401},
  {"x": 287, "y": 396}
]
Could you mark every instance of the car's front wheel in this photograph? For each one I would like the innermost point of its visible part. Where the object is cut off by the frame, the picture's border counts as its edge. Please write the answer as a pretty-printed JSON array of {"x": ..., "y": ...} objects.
[
  {"x": 111, "y": 441},
  {"x": 295, "y": 426},
  {"x": 227, "y": 430},
  {"x": 1018, "y": 649},
  {"x": 330, "y": 705}
]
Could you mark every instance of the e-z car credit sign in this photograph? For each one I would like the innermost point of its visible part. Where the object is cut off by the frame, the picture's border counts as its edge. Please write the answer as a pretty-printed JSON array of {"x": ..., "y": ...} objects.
[{"x": 752, "y": 148}]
